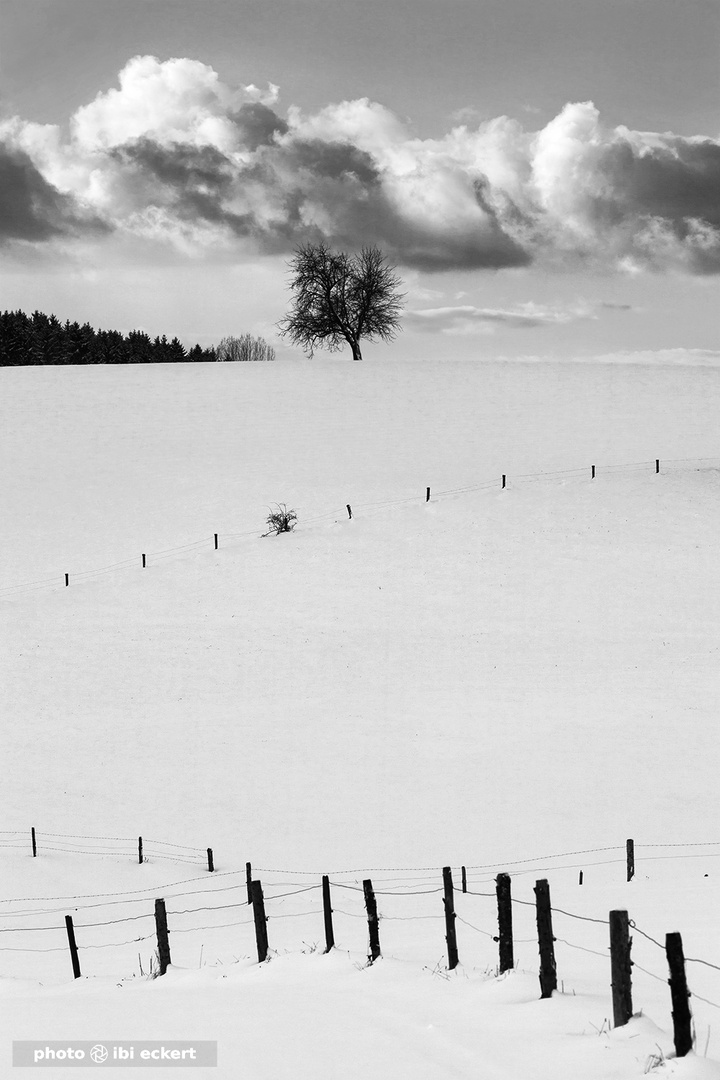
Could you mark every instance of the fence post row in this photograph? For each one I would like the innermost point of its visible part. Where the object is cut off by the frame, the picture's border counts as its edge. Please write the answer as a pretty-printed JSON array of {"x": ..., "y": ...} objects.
[
  {"x": 450, "y": 932},
  {"x": 680, "y": 995},
  {"x": 373, "y": 925},
  {"x": 327, "y": 914},
  {"x": 73, "y": 946},
  {"x": 505, "y": 930},
  {"x": 546, "y": 940},
  {"x": 260, "y": 921},
  {"x": 348, "y": 507},
  {"x": 620, "y": 967}
]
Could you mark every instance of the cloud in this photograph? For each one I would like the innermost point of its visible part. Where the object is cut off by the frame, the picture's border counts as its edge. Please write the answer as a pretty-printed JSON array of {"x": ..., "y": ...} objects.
[
  {"x": 31, "y": 208},
  {"x": 467, "y": 319},
  {"x": 674, "y": 357},
  {"x": 175, "y": 155}
]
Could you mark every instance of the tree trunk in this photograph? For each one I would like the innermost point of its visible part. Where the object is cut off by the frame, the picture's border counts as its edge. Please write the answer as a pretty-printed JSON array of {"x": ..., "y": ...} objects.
[{"x": 356, "y": 354}]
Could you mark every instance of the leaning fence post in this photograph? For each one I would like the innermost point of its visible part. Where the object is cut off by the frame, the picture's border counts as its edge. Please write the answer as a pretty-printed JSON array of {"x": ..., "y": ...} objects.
[
  {"x": 349, "y": 510},
  {"x": 680, "y": 995},
  {"x": 327, "y": 914},
  {"x": 260, "y": 921},
  {"x": 620, "y": 967},
  {"x": 546, "y": 941},
  {"x": 33, "y": 841},
  {"x": 450, "y": 932},
  {"x": 161, "y": 929},
  {"x": 373, "y": 926},
  {"x": 73, "y": 946},
  {"x": 505, "y": 930},
  {"x": 630, "y": 854}
]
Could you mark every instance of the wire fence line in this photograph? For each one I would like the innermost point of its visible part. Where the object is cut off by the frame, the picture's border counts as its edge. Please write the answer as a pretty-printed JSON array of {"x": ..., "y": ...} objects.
[
  {"x": 276, "y": 912},
  {"x": 402, "y": 879},
  {"x": 20, "y": 922},
  {"x": 57, "y": 580}
]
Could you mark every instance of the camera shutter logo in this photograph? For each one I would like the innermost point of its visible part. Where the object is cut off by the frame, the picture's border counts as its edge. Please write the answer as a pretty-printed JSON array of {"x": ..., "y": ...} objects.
[{"x": 99, "y": 1054}]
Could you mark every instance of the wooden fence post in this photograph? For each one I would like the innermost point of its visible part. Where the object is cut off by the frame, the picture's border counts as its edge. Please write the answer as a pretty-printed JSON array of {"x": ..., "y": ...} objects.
[
  {"x": 73, "y": 946},
  {"x": 248, "y": 879},
  {"x": 373, "y": 926},
  {"x": 144, "y": 563},
  {"x": 33, "y": 841},
  {"x": 211, "y": 861},
  {"x": 546, "y": 941},
  {"x": 593, "y": 471},
  {"x": 216, "y": 541},
  {"x": 620, "y": 967},
  {"x": 327, "y": 914},
  {"x": 427, "y": 495},
  {"x": 140, "y": 849},
  {"x": 260, "y": 921},
  {"x": 630, "y": 853},
  {"x": 450, "y": 932},
  {"x": 657, "y": 465},
  {"x": 504, "y": 480},
  {"x": 680, "y": 995},
  {"x": 67, "y": 580},
  {"x": 505, "y": 931},
  {"x": 349, "y": 510},
  {"x": 463, "y": 873},
  {"x": 161, "y": 929}
]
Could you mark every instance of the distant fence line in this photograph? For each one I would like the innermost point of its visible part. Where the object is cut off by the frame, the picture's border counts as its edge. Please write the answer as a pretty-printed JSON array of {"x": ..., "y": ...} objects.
[
  {"x": 457, "y": 904},
  {"x": 504, "y": 481},
  {"x": 143, "y": 849}
]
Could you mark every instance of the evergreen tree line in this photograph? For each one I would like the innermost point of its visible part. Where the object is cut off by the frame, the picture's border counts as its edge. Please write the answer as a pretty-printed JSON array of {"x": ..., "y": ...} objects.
[{"x": 43, "y": 339}]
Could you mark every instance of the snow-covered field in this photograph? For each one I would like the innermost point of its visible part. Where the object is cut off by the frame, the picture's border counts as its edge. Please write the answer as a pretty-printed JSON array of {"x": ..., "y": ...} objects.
[{"x": 499, "y": 679}]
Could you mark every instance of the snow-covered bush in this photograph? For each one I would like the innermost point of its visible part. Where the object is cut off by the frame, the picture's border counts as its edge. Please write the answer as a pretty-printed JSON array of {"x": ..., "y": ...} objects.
[{"x": 281, "y": 520}]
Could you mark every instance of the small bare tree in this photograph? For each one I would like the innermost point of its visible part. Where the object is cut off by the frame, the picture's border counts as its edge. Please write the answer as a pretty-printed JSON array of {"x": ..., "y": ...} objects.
[
  {"x": 340, "y": 298},
  {"x": 245, "y": 347}
]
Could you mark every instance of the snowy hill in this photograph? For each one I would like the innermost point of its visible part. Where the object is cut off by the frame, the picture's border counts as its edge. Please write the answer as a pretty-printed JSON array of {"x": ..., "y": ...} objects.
[{"x": 484, "y": 680}]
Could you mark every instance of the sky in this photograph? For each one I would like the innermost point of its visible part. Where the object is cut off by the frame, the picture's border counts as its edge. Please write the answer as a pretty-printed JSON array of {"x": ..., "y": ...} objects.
[{"x": 544, "y": 174}]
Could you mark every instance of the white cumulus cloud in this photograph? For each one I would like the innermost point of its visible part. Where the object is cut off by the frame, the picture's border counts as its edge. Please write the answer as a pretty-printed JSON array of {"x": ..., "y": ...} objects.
[{"x": 175, "y": 154}]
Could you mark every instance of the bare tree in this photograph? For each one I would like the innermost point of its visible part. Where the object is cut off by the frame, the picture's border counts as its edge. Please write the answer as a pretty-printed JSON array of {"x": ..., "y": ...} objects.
[
  {"x": 340, "y": 298},
  {"x": 245, "y": 347}
]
